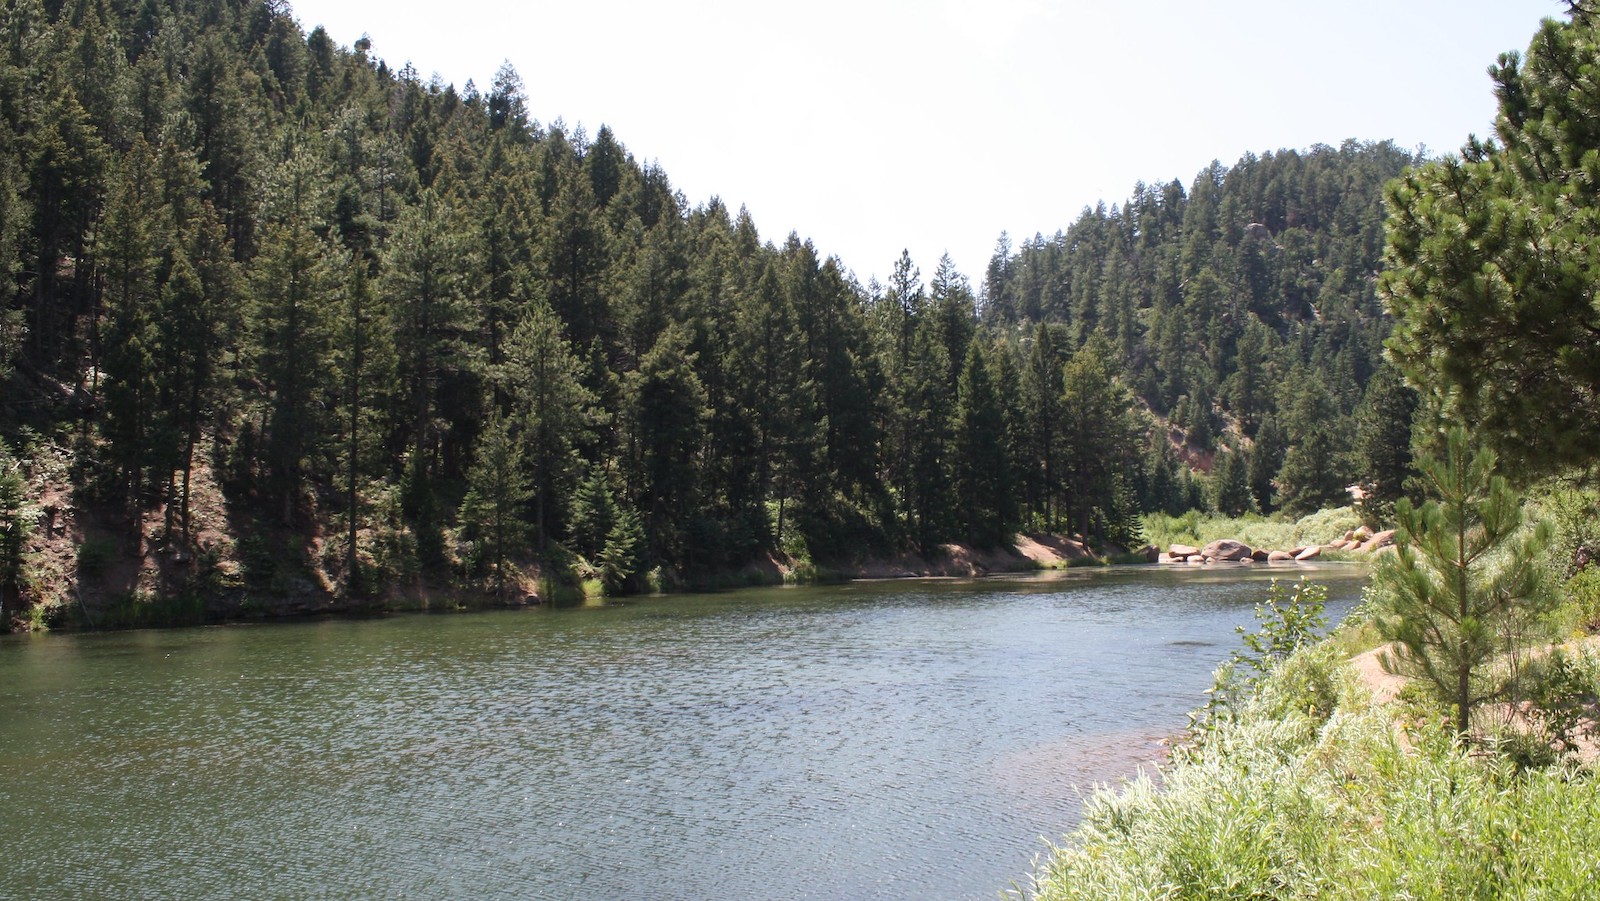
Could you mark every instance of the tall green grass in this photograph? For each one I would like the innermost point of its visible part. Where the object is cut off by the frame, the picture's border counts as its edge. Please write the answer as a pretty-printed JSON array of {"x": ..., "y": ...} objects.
[
  {"x": 1199, "y": 529},
  {"x": 1290, "y": 802}
]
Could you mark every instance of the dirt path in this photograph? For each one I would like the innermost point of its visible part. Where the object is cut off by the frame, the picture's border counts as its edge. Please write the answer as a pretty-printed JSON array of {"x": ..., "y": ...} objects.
[{"x": 1385, "y": 686}]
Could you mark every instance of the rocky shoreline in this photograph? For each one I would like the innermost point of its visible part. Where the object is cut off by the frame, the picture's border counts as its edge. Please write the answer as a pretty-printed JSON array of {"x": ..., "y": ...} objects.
[{"x": 1227, "y": 550}]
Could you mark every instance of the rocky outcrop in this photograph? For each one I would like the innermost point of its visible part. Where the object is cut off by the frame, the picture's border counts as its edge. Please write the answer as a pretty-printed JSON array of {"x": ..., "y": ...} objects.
[{"x": 1227, "y": 550}]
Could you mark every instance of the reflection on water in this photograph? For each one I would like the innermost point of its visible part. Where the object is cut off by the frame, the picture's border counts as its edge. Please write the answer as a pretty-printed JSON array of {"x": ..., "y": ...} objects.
[{"x": 873, "y": 740}]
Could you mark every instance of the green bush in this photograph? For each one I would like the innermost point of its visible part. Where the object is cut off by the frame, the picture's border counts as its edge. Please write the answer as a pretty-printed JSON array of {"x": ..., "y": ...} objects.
[
  {"x": 1273, "y": 533},
  {"x": 94, "y": 557},
  {"x": 1289, "y": 621},
  {"x": 1308, "y": 791},
  {"x": 1574, "y": 528},
  {"x": 1283, "y": 808},
  {"x": 1583, "y": 599},
  {"x": 1564, "y": 700}
]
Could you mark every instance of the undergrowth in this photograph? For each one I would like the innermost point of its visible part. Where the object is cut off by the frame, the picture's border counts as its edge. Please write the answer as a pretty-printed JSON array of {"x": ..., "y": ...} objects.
[
  {"x": 1304, "y": 789},
  {"x": 1199, "y": 529}
]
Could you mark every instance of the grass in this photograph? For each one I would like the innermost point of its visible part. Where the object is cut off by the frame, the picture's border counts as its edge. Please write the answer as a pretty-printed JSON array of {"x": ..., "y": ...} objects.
[
  {"x": 1293, "y": 799},
  {"x": 1273, "y": 533}
]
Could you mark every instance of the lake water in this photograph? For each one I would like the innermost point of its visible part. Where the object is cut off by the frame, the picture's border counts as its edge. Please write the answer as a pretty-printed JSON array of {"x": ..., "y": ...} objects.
[{"x": 873, "y": 740}]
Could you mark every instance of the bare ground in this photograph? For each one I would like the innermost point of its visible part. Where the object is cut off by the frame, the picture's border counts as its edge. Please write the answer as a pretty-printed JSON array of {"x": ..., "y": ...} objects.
[
  {"x": 1385, "y": 687},
  {"x": 1031, "y": 552}
]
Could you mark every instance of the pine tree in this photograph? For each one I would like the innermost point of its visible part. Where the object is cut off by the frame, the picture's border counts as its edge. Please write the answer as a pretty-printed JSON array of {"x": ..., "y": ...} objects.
[
  {"x": 1312, "y": 475},
  {"x": 1043, "y": 386},
  {"x": 927, "y": 499},
  {"x": 1099, "y": 443},
  {"x": 668, "y": 413},
  {"x": 594, "y": 514},
  {"x": 364, "y": 360},
  {"x": 188, "y": 343},
  {"x": 130, "y": 253},
  {"x": 1383, "y": 439},
  {"x": 1230, "y": 488},
  {"x": 543, "y": 378},
  {"x": 16, "y": 523},
  {"x": 1266, "y": 460},
  {"x": 1489, "y": 273},
  {"x": 1464, "y": 583},
  {"x": 427, "y": 291},
  {"x": 291, "y": 280},
  {"x": 497, "y": 489},
  {"x": 624, "y": 554},
  {"x": 984, "y": 489}
]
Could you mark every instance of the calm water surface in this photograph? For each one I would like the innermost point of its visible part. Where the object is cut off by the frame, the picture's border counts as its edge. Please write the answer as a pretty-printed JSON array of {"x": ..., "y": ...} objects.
[{"x": 873, "y": 740}]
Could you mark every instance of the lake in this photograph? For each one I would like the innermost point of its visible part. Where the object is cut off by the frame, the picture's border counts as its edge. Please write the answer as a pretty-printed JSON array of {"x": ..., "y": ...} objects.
[{"x": 880, "y": 740}]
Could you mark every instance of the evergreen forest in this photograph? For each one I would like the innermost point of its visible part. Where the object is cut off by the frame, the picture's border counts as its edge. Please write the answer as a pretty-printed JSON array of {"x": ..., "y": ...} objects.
[{"x": 281, "y": 320}]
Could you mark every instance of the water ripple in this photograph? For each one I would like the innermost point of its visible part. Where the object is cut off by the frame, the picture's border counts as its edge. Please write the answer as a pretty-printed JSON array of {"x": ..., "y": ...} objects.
[{"x": 868, "y": 741}]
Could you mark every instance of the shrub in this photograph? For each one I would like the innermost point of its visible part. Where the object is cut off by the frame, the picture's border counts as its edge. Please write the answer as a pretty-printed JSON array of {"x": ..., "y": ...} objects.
[
  {"x": 1289, "y": 620},
  {"x": 1198, "y": 529},
  {"x": 1564, "y": 700},
  {"x": 1283, "y": 809},
  {"x": 94, "y": 556}
]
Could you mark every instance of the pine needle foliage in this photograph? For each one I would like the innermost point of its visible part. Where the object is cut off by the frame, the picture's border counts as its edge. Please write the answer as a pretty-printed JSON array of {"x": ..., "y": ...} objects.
[{"x": 1464, "y": 583}]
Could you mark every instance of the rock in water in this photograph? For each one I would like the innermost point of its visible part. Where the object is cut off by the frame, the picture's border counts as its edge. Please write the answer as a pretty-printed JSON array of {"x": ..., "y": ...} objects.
[{"x": 1226, "y": 549}]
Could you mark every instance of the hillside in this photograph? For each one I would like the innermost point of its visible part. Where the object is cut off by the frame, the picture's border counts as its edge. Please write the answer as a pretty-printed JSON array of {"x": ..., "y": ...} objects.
[{"x": 289, "y": 322}]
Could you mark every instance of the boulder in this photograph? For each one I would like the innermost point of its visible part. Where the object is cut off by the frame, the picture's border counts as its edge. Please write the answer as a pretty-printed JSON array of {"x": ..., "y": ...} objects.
[
  {"x": 1280, "y": 557},
  {"x": 1362, "y": 534},
  {"x": 1310, "y": 553},
  {"x": 1168, "y": 558},
  {"x": 1340, "y": 545},
  {"x": 1150, "y": 553},
  {"x": 1259, "y": 555},
  {"x": 1380, "y": 540},
  {"x": 1295, "y": 551},
  {"x": 1225, "y": 549},
  {"x": 1183, "y": 551}
]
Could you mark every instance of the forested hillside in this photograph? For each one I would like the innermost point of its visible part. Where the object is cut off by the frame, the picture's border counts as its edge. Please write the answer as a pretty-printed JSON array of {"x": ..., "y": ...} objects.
[
  {"x": 283, "y": 319},
  {"x": 1244, "y": 310}
]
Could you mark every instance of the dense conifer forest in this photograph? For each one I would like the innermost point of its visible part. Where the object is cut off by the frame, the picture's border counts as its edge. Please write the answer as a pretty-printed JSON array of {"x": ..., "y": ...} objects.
[{"x": 280, "y": 318}]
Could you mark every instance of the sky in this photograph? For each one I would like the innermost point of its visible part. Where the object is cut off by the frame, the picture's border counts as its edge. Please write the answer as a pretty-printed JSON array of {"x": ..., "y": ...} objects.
[{"x": 872, "y": 126}]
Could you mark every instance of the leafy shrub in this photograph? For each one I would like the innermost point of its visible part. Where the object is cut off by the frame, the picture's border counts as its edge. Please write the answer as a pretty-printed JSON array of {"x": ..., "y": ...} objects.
[
  {"x": 1288, "y": 620},
  {"x": 1284, "y": 809},
  {"x": 1565, "y": 700},
  {"x": 1574, "y": 528},
  {"x": 1198, "y": 529},
  {"x": 1583, "y": 599},
  {"x": 94, "y": 556}
]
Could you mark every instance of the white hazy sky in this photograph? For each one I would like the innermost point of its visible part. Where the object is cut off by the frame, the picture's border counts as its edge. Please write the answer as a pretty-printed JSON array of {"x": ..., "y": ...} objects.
[{"x": 874, "y": 125}]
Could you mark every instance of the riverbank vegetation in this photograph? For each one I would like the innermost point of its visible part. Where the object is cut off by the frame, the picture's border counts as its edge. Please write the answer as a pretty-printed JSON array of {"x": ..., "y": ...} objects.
[
  {"x": 1443, "y": 742},
  {"x": 285, "y": 328},
  {"x": 1198, "y": 528}
]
